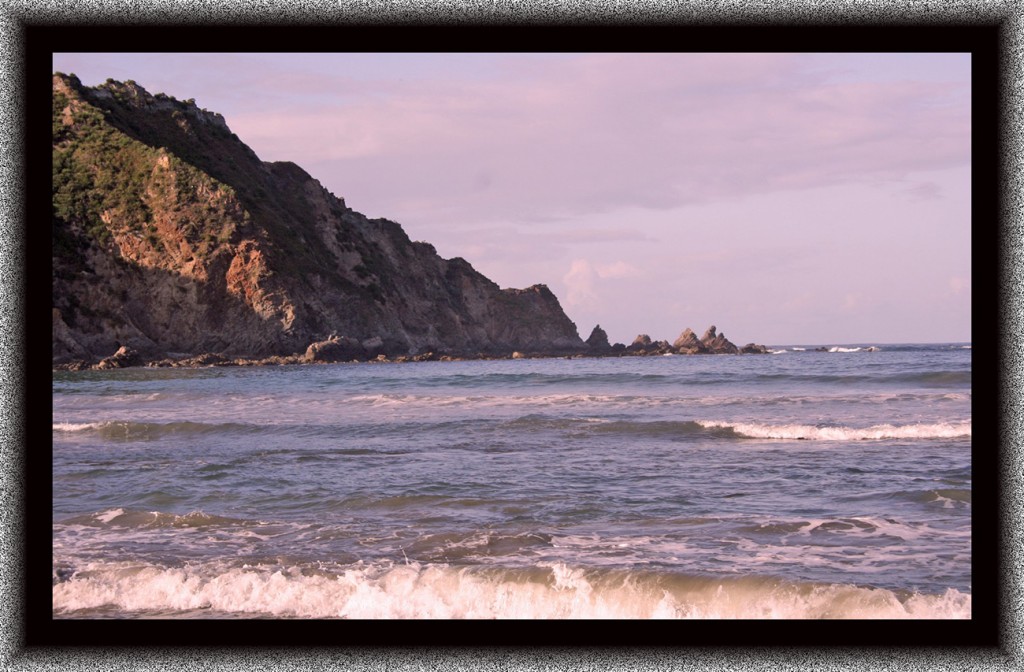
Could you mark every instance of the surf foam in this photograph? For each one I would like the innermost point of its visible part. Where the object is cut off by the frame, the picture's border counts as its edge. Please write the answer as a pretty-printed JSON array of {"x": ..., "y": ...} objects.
[
  {"x": 439, "y": 591},
  {"x": 943, "y": 430}
]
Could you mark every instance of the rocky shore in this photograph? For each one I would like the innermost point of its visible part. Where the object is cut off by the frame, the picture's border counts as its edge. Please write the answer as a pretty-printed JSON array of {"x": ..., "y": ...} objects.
[
  {"x": 339, "y": 349},
  {"x": 174, "y": 245}
]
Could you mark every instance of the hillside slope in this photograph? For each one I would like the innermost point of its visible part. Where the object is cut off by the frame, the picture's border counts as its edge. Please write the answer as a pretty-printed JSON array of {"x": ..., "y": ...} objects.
[{"x": 172, "y": 237}]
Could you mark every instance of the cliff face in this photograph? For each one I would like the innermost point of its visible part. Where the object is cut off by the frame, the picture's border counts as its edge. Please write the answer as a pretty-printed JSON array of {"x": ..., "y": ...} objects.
[{"x": 172, "y": 237}]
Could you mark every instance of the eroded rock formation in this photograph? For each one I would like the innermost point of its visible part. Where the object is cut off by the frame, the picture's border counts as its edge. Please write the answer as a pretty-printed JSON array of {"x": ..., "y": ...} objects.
[{"x": 171, "y": 237}]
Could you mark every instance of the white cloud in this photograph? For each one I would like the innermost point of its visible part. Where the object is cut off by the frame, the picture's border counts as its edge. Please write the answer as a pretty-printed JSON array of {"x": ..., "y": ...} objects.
[
  {"x": 579, "y": 284},
  {"x": 586, "y": 282},
  {"x": 594, "y": 133},
  {"x": 619, "y": 269}
]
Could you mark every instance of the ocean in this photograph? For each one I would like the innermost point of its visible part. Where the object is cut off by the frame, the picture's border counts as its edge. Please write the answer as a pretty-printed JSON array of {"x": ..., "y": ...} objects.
[{"x": 803, "y": 484}]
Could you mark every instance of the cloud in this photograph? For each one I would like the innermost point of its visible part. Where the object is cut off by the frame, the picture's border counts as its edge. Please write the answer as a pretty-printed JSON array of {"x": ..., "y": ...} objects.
[
  {"x": 593, "y": 133},
  {"x": 579, "y": 284},
  {"x": 534, "y": 137},
  {"x": 635, "y": 179},
  {"x": 619, "y": 269},
  {"x": 584, "y": 280}
]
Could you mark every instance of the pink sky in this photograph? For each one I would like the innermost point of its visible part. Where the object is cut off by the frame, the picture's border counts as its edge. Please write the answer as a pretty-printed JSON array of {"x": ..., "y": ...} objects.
[{"x": 785, "y": 198}]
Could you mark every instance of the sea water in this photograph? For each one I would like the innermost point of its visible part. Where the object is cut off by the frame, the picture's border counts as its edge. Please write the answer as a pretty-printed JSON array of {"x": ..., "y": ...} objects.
[{"x": 800, "y": 484}]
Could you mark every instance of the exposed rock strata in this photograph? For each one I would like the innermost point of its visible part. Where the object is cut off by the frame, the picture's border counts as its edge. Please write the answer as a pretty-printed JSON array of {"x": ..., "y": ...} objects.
[
  {"x": 171, "y": 237},
  {"x": 689, "y": 344},
  {"x": 718, "y": 343},
  {"x": 174, "y": 245}
]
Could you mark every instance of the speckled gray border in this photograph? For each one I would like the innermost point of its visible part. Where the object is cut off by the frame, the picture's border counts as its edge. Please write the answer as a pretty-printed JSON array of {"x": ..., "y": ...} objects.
[{"x": 14, "y": 12}]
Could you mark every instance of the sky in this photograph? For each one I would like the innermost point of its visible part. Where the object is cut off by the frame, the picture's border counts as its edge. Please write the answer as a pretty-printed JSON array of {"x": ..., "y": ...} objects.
[{"x": 787, "y": 199}]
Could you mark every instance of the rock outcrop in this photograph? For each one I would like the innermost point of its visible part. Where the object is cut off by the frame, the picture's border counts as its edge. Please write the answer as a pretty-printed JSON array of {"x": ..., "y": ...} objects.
[
  {"x": 717, "y": 343},
  {"x": 686, "y": 344},
  {"x": 171, "y": 237},
  {"x": 640, "y": 345},
  {"x": 598, "y": 340},
  {"x": 335, "y": 349},
  {"x": 689, "y": 344},
  {"x": 124, "y": 356}
]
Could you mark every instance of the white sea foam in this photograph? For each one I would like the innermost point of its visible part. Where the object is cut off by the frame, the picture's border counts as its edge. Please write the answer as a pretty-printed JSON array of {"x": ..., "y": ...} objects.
[
  {"x": 951, "y": 499},
  {"x": 430, "y": 402},
  {"x": 75, "y": 426},
  {"x": 439, "y": 591},
  {"x": 108, "y": 516},
  {"x": 603, "y": 402},
  {"x": 942, "y": 430},
  {"x": 866, "y": 526}
]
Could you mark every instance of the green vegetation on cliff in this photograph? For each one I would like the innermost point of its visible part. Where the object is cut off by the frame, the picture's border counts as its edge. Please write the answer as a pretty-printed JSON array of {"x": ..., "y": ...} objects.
[{"x": 170, "y": 235}]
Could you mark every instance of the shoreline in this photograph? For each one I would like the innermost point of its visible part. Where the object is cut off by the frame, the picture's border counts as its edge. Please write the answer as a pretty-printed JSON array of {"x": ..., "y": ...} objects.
[
  {"x": 127, "y": 358},
  {"x": 211, "y": 360}
]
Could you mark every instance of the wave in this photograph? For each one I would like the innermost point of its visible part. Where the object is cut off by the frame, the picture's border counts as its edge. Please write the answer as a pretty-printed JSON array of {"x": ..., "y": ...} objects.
[
  {"x": 950, "y": 378},
  {"x": 588, "y": 420},
  {"x": 414, "y": 590},
  {"x": 633, "y": 401},
  {"x": 942, "y": 430},
  {"x": 534, "y": 379},
  {"x": 869, "y": 348},
  {"x": 948, "y": 498},
  {"x": 132, "y": 518},
  {"x": 477, "y": 401},
  {"x": 746, "y": 430},
  {"x": 76, "y": 426},
  {"x": 140, "y": 431}
]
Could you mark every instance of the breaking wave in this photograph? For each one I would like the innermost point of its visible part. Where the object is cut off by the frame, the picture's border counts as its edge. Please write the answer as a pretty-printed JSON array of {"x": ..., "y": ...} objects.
[
  {"x": 944, "y": 430},
  {"x": 420, "y": 591},
  {"x": 141, "y": 431},
  {"x": 130, "y": 518}
]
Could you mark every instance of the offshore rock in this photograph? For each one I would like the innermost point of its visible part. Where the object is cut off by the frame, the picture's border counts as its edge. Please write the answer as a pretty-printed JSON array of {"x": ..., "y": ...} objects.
[
  {"x": 640, "y": 345},
  {"x": 641, "y": 341},
  {"x": 689, "y": 344},
  {"x": 661, "y": 348},
  {"x": 643, "y": 345},
  {"x": 598, "y": 339},
  {"x": 717, "y": 343}
]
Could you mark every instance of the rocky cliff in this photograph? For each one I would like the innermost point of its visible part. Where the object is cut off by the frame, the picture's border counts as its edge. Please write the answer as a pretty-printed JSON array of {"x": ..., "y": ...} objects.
[{"x": 171, "y": 237}]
